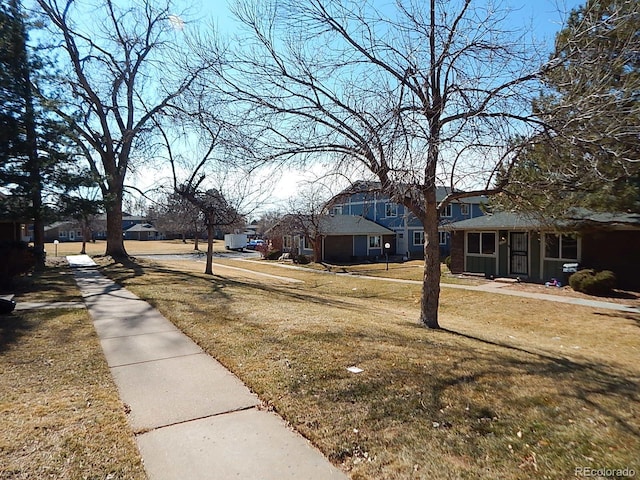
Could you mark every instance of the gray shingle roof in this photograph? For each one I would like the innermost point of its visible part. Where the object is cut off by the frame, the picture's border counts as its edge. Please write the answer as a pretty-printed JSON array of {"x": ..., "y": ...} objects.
[
  {"x": 351, "y": 225},
  {"x": 142, "y": 227},
  {"x": 521, "y": 221},
  {"x": 492, "y": 221}
]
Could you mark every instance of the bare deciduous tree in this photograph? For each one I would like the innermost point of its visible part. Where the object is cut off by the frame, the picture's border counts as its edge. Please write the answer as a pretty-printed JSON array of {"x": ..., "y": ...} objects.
[
  {"x": 123, "y": 66},
  {"x": 216, "y": 210},
  {"x": 306, "y": 212},
  {"x": 177, "y": 215},
  {"x": 199, "y": 141},
  {"x": 416, "y": 94}
]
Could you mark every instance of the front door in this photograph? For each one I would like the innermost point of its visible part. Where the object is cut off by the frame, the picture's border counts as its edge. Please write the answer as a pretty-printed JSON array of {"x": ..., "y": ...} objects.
[
  {"x": 519, "y": 256},
  {"x": 401, "y": 243}
]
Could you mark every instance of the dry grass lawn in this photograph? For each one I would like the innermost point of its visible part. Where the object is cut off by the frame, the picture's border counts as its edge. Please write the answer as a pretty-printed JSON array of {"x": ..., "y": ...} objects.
[
  {"x": 133, "y": 247},
  {"x": 510, "y": 388},
  {"x": 59, "y": 408}
]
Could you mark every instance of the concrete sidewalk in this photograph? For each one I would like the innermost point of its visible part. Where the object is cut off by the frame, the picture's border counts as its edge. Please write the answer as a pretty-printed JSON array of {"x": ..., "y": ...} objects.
[{"x": 192, "y": 418}]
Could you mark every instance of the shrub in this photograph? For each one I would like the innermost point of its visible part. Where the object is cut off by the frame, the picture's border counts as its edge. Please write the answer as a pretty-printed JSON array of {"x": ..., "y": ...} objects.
[
  {"x": 273, "y": 255},
  {"x": 16, "y": 258},
  {"x": 447, "y": 262},
  {"x": 263, "y": 249},
  {"x": 302, "y": 259},
  {"x": 593, "y": 283}
]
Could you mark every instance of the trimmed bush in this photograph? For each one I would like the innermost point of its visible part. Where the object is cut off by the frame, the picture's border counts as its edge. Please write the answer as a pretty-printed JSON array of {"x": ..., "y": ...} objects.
[
  {"x": 16, "y": 258},
  {"x": 447, "y": 262},
  {"x": 593, "y": 283},
  {"x": 302, "y": 259},
  {"x": 263, "y": 249},
  {"x": 273, "y": 255}
]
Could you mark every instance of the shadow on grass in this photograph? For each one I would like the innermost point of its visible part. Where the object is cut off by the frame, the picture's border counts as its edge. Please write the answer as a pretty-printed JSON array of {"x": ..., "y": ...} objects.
[
  {"x": 13, "y": 326},
  {"x": 625, "y": 295},
  {"x": 55, "y": 282},
  {"x": 456, "y": 389},
  {"x": 122, "y": 271},
  {"x": 123, "y": 268},
  {"x": 589, "y": 379},
  {"x": 634, "y": 317},
  {"x": 131, "y": 268}
]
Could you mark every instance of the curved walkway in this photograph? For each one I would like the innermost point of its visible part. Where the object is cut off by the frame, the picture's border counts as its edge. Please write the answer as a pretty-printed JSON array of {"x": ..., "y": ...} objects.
[{"x": 192, "y": 418}]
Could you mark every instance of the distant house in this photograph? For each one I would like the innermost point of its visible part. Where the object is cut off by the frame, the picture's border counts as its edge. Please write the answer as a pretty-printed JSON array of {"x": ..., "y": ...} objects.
[
  {"x": 251, "y": 230},
  {"x": 141, "y": 231},
  {"x": 348, "y": 238},
  {"x": 515, "y": 245},
  {"x": 134, "y": 227},
  {"x": 128, "y": 221},
  {"x": 365, "y": 199},
  {"x": 338, "y": 238},
  {"x": 63, "y": 231}
]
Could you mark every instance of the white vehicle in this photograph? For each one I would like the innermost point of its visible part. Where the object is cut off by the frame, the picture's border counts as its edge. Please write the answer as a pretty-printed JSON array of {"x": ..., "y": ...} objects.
[{"x": 235, "y": 241}]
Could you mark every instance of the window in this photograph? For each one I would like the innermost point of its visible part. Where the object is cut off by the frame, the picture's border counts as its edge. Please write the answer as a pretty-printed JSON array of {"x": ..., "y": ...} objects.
[
  {"x": 375, "y": 241},
  {"x": 286, "y": 241},
  {"x": 443, "y": 238},
  {"x": 488, "y": 243},
  {"x": 464, "y": 209},
  {"x": 418, "y": 237},
  {"x": 391, "y": 210},
  {"x": 62, "y": 234},
  {"x": 481, "y": 243},
  {"x": 562, "y": 247},
  {"x": 446, "y": 211},
  {"x": 336, "y": 210}
]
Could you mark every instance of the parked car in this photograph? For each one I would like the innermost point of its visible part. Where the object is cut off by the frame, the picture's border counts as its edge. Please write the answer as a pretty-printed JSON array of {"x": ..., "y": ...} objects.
[{"x": 254, "y": 244}]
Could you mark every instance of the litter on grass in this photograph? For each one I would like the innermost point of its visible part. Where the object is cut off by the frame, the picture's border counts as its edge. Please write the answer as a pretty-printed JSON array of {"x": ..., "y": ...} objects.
[{"x": 354, "y": 369}]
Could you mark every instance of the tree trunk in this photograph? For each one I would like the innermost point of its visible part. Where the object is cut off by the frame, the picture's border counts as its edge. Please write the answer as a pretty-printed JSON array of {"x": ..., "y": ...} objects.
[
  {"x": 209, "y": 267},
  {"x": 85, "y": 232},
  {"x": 315, "y": 243},
  {"x": 115, "y": 239},
  {"x": 34, "y": 162},
  {"x": 431, "y": 275}
]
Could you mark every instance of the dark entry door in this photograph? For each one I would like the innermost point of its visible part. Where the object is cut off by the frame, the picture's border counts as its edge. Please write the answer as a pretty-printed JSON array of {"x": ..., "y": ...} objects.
[{"x": 519, "y": 261}]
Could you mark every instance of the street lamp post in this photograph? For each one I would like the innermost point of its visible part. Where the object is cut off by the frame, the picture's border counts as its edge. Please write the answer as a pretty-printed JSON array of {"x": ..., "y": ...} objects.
[
  {"x": 55, "y": 244},
  {"x": 387, "y": 246}
]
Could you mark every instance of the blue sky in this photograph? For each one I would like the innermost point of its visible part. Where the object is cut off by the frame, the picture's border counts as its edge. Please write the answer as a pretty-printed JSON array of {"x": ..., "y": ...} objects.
[
  {"x": 543, "y": 17},
  {"x": 546, "y": 16}
]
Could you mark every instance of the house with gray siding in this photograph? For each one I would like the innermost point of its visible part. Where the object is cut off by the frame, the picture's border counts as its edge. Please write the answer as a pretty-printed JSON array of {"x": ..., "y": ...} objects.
[{"x": 504, "y": 244}]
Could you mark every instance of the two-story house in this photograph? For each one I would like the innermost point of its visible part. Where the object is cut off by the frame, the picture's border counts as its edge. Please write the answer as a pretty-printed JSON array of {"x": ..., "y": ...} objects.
[{"x": 366, "y": 200}]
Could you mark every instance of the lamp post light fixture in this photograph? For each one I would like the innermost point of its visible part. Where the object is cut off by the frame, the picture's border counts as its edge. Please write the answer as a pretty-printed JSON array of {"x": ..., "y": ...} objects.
[
  {"x": 55, "y": 244},
  {"x": 387, "y": 246}
]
